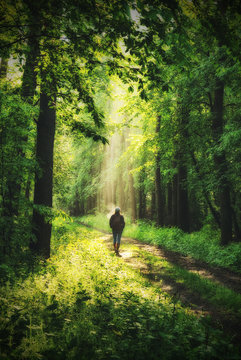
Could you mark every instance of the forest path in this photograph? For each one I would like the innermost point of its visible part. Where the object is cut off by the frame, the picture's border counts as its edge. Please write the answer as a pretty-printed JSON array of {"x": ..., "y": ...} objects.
[
  {"x": 188, "y": 281},
  {"x": 222, "y": 276}
]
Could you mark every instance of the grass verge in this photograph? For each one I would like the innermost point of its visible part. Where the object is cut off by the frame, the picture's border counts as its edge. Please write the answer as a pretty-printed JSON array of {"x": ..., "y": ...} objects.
[
  {"x": 222, "y": 298},
  {"x": 85, "y": 303},
  {"x": 202, "y": 245}
]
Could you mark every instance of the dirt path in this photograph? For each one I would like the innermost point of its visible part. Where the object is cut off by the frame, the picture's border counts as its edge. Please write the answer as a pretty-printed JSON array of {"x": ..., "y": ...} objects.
[
  {"x": 132, "y": 251},
  {"x": 224, "y": 277}
]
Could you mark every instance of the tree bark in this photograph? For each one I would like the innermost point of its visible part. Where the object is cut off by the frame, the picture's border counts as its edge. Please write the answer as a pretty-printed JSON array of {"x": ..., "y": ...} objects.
[
  {"x": 182, "y": 189},
  {"x": 158, "y": 184},
  {"x": 221, "y": 166},
  {"x": 159, "y": 196},
  {"x": 142, "y": 196},
  {"x": 44, "y": 178},
  {"x": 174, "y": 199},
  {"x": 237, "y": 230},
  {"x": 132, "y": 198},
  {"x": 122, "y": 201},
  {"x": 7, "y": 195},
  {"x": 3, "y": 68},
  {"x": 114, "y": 191},
  {"x": 169, "y": 204},
  {"x": 29, "y": 79},
  {"x": 182, "y": 199},
  {"x": 153, "y": 204}
]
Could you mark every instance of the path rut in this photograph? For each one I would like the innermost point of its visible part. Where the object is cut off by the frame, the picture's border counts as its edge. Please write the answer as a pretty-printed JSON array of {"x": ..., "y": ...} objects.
[{"x": 220, "y": 318}]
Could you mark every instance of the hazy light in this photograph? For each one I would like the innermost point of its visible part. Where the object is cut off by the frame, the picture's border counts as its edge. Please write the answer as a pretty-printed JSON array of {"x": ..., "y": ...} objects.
[{"x": 135, "y": 15}]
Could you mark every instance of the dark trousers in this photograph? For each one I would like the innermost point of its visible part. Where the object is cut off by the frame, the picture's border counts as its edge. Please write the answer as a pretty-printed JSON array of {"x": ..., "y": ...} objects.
[{"x": 117, "y": 236}]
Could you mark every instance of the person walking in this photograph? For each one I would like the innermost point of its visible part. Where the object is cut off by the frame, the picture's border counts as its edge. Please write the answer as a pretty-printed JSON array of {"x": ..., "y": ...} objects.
[{"x": 117, "y": 224}]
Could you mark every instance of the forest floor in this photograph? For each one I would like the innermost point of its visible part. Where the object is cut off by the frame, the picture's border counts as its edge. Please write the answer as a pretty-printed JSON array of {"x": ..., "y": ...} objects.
[{"x": 182, "y": 277}]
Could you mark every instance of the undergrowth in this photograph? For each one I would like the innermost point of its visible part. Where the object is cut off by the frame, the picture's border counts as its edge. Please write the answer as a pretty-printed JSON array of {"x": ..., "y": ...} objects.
[
  {"x": 202, "y": 245},
  {"x": 85, "y": 303}
]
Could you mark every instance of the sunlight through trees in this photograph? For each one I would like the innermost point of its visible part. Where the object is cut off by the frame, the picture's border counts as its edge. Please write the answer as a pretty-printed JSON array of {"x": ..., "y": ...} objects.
[{"x": 129, "y": 103}]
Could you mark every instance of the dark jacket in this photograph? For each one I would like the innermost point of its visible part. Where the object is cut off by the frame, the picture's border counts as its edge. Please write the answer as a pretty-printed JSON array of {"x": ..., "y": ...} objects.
[{"x": 117, "y": 222}]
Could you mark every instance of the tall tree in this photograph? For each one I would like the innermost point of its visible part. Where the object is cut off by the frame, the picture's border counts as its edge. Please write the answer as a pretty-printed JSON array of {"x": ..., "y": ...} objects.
[
  {"x": 218, "y": 24},
  {"x": 44, "y": 179},
  {"x": 3, "y": 68},
  {"x": 182, "y": 193},
  {"x": 158, "y": 181}
]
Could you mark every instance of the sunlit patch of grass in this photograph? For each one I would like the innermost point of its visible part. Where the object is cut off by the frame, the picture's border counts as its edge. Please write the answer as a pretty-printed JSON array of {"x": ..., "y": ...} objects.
[
  {"x": 99, "y": 221},
  {"x": 202, "y": 245},
  {"x": 85, "y": 303},
  {"x": 216, "y": 294}
]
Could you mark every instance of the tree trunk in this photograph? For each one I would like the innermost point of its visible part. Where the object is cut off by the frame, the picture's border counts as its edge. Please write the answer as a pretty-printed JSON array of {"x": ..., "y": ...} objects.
[
  {"x": 174, "y": 200},
  {"x": 182, "y": 199},
  {"x": 123, "y": 199},
  {"x": 5, "y": 208},
  {"x": 29, "y": 79},
  {"x": 121, "y": 193},
  {"x": 158, "y": 184},
  {"x": 153, "y": 205},
  {"x": 3, "y": 68},
  {"x": 7, "y": 183},
  {"x": 132, "y": 198},
  {"x": 44, "y": 178},
  {"x": 159, "y": 195},
  {"x": 142, "y": 196},
  {"x": 182, "y": 184},
  {"x": 114, "y": 190},
  {"x": 221, "y": 166},
  {"x": 169, "y": 204},
  {"x": 75, "y": 208},
  {"x": 237, "y": 230},
  {"x": 28, "y": 188}
]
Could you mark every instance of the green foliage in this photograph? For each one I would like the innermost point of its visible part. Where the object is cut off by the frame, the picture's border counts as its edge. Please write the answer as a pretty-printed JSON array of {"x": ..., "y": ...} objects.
[
  {"x": 170, "y": 57},
  {"x": 17, "y": 165},
  {"x": 86, "y": 303},
  {"x": 98, "y": 221},
  {"x": 202, "y": 245},
  {"x": 76, "y": 173}
]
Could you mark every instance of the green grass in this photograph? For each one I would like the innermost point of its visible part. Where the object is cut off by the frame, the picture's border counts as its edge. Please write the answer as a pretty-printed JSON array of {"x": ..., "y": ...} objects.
[
  {"x": 202, "y": 245},
  {"x": 219, "y": 296},
  {"x": 85, "y": 303}
]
